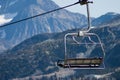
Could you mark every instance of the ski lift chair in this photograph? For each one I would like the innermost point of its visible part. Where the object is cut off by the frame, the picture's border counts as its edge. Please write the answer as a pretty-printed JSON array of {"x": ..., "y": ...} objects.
[{"x": 83, "y": 63}]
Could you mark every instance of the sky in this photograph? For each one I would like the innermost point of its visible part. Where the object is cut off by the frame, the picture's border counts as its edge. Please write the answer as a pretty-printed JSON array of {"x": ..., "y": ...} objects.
[{"x": 98, "y": 8}]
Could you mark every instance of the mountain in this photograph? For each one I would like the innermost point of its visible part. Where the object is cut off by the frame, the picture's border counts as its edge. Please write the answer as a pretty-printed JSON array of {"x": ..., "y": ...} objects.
[
  {"x": 108, "y": 19},
  {"x": 36, "y": 58},
  {"x": 13, "y": 10}
]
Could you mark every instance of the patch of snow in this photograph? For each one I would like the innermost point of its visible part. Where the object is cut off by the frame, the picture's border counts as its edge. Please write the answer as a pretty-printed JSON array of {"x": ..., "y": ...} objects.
[
  {"x": 3, "y": 20},
  {"x": 49, "y": 40},
  {"x": 49, "y": 29},
  {"x": 6, "y": 18},
  {"x": 103, "y": 76},
  {"x": 64, "y": 73},
  {"x": 92, "y": 27},
  {"x": 0, "y": 6},
  {"x": 89, "y": 50},
  {"x": 85, "y": 54},
  {"x": 59, "y": 74},
  {"x": 117, "y": 70},
  {"x": 49, "y": 67},
  {"x": 47, "y": 52},
  {"x": 99, "y": 76},
  {"x": 80, "y": 55}
]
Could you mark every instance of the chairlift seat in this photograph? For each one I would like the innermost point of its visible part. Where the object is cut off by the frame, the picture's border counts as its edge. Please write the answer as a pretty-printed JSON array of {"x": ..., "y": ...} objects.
[{"x": 80, "y": 63}]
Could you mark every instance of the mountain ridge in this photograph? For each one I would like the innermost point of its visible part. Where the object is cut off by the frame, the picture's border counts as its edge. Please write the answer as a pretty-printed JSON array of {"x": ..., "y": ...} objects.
[
  {"x": 42, "y": 51},
  {"x": 108, "y": 19},
  {"x": 54, "y": 22}
]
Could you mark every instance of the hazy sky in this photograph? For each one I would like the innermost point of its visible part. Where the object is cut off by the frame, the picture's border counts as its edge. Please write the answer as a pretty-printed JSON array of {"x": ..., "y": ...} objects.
[{"x": 99, "y": 7}]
